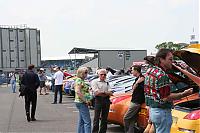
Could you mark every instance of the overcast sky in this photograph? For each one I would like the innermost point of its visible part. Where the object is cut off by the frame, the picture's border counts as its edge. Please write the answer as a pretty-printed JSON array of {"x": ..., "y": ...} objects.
[{"x": 104, "y": 24}]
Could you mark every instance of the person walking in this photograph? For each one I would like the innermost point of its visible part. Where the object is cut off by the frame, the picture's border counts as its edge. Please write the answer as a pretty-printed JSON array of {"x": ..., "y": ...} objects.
[
  {"x": 158, "y": 91},
  {"x": 42, "y": 78},
  {"x": 137, "y": 99},
  {"x": 13, "y": 81},
  {"x": 31, "y": 81},
  {"x": 102, "y": 92},
  {"x": 58, "y": 76},
  {"x": 83, "y": 100}
]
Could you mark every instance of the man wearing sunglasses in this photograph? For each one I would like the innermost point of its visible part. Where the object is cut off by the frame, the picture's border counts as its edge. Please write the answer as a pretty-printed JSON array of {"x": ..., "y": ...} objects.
[{"x": 102, "y": 92}]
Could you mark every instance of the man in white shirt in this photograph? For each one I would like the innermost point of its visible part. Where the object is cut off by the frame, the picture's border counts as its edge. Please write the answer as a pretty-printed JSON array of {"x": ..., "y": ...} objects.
[
  {"x": 102, "y": 92},
  {"x": 58, "y": 76}
]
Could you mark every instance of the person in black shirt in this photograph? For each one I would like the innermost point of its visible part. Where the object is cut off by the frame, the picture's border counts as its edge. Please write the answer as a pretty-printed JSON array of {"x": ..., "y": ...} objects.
[
  {"x": 31, "y": 81},
  {"x": 136, "y": 101}
]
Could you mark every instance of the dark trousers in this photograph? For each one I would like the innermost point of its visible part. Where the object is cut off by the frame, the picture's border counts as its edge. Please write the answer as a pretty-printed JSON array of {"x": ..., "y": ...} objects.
[
  {"x": 130, "y": 117},
  {"x": 101, "y": 110},
  {"x": 31, "y": 99},
  {"x": 58, "y": 88}
]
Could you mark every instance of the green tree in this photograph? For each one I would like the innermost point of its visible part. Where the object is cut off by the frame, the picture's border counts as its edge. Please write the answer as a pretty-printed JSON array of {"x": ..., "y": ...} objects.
[{"x": 170, "y": 45}]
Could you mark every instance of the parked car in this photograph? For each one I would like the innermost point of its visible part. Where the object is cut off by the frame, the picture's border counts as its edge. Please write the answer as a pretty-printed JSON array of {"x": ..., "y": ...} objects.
[
  {"x": 184, "y": 120},
  {"x": 4, "y": 79},
  {"x": 123, "y": 86},
  {"x": 68, "y": 85},
  {"x": 186, "y": 115},
  {"x": 119, "y": 107}
]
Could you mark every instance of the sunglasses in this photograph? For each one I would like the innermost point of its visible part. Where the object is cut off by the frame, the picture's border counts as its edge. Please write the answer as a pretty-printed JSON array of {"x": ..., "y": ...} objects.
[{"x": 103, "y": 74}]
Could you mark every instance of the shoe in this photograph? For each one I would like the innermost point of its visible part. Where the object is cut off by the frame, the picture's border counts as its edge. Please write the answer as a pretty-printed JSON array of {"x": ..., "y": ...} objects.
[
  {"x": 28, "y": 117},
  {"x": 46, "y": 94},
  {"x": 41, "y": 94},
  {"x": 33, "y": 119},
  {"x": 54, "y": 103},
  {"x": 60, "y": 102}
]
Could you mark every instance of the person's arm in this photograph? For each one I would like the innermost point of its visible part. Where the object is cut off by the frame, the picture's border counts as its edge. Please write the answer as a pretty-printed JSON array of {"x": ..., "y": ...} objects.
[
  {"x": 37, "y": 81},
  {"x": 191, "y": 76},
  {"x": 109, "y": 92},
  {"x": 78, "y": 88},
  {"x": 96, "y": 90},
  {"x": 176, "y": 96},
  {"x": 141, "y": 79}
]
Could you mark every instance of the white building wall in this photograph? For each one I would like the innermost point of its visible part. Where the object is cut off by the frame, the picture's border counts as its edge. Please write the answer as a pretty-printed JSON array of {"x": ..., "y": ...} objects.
[
  {"x": 19, "y": 48},
  {"x": 33, "y": 46},
  {"x": 22, "y": 49},
  {"x": 13, "y": 48},
  {"x": 5, "y": 48}
]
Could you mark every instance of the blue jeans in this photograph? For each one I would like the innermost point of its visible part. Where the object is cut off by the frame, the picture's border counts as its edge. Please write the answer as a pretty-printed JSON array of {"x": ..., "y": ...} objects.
[
  {"x": 162, "y": 119},
  {"x": 13, "y": 85},
  {"x": 84, "y": 124}
]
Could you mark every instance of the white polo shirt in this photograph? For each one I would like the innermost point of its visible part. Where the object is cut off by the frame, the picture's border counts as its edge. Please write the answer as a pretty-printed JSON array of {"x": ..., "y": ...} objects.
[
  {"x": 58, "y": 76},
  {"x": 98, "y": 85}
]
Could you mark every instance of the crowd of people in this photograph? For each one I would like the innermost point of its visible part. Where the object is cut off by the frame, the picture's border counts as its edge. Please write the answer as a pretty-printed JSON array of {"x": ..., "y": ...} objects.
[{"x": 153, "y": 88}]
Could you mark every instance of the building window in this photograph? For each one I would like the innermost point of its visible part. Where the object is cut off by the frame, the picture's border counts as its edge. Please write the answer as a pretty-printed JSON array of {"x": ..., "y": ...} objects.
[
  {"x": 4, "y": 50},
  {"x": 21, "y": 40},
  {"x": 11, "y": 40},
  {"x": 20, "y": 30},
  {"x": 11, "y": 50},
  {"x": 11, "y": 30},
  {"x": 22, "y": 60},
  {"x": 12, "y": 60},
  {"x": 21, "y": 50}
]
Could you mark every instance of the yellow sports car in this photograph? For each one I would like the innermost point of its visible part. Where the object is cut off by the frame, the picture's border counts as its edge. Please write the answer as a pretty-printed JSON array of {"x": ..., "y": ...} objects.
[{"x": 186, "y": 115}]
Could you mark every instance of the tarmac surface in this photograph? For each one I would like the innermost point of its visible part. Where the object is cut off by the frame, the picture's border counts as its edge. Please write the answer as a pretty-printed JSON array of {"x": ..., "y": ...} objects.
[{"x": 55, "y": 118}]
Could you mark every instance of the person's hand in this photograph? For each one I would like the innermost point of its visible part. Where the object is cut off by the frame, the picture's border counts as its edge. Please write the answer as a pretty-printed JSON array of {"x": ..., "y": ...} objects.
[
  {"x": 109, "y": 93},
  {"x": 134, "y": 87},
  {"x": 88, "y": 103},
  {"x": 187, "y": 92}
]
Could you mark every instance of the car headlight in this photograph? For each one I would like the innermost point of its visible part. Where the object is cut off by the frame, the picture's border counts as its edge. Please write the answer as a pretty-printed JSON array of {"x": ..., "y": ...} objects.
[{"x": 186, "y": 130}]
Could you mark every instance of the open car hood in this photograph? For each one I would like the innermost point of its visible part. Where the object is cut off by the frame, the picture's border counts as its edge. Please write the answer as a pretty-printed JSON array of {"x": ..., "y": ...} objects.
[{"x": 191, "y": 56}]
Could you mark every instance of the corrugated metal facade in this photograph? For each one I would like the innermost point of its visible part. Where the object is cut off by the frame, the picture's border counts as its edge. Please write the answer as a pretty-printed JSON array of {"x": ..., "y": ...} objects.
[
  {"x": 19, "y": 48},
  {"x": 120, "y": 59}
]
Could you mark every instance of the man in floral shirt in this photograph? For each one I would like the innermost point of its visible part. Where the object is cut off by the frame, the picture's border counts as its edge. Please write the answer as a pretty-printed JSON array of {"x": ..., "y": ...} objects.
[{"x": 158, "y": 88}]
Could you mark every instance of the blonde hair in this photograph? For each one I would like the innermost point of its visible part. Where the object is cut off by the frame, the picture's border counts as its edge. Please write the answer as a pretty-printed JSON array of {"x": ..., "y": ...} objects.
[{"x": 81, "y": 71}]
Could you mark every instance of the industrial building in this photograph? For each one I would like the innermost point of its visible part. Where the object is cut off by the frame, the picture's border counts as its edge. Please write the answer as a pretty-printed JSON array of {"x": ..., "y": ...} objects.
[
  {"x": 19, "y": 47},
  {"x": 116, "y": 59}
]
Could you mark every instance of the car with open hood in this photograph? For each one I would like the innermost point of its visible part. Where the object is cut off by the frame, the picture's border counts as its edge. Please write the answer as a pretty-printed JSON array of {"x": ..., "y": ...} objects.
[
  {"x": 121, "y": 102},
  {"x": 186, "y": 113}
]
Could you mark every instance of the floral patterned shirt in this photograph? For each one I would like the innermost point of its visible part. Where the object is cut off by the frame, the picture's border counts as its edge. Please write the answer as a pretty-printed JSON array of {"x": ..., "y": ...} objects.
[
  {"x": 84, "y": 90},
  {"x": 157, "y": 86}
]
